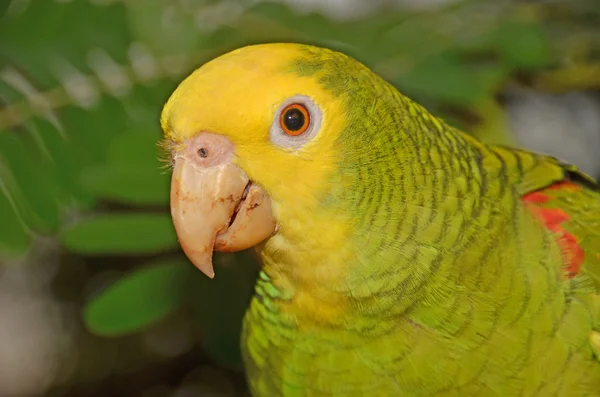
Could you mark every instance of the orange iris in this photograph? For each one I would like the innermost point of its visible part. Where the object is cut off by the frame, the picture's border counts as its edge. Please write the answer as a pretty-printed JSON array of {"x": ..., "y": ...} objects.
[{"x": 295, "y": 119}]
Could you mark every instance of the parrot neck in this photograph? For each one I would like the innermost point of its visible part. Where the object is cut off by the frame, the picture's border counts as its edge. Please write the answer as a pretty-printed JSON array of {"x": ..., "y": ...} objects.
[
  {"x": 390, "y": 237},
  {"x": 409, "y": 216},
  {"x": 381, "y": 232}
]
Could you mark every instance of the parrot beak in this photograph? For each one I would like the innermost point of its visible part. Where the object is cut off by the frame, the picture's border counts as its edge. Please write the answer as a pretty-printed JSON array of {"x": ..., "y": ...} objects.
[{"x": 214, "y": 205}]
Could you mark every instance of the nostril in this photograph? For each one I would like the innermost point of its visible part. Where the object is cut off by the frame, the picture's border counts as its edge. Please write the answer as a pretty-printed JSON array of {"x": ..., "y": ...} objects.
[
  {"x": 202, "y": 152},
  {"x": 207, "y": 149}
]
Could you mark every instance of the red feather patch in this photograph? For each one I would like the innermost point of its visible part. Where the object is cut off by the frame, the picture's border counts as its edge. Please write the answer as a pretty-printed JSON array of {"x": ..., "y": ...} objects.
[{"x": 552, "y": 218}]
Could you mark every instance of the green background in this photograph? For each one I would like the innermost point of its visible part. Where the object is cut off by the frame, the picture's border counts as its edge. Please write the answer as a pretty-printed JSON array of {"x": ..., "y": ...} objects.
[{"x": 84, "y": 196}]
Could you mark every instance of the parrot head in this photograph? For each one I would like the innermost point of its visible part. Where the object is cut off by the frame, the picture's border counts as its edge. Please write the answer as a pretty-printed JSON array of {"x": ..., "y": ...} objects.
[{"x": 270, "y": 143}]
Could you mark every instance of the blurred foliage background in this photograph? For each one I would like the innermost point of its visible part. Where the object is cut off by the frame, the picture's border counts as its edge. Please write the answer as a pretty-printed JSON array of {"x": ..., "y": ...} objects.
[{"x": 96, "y": 298}]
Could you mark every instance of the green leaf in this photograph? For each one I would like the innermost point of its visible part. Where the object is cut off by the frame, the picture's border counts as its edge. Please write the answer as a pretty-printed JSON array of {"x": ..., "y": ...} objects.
[
  {"x": 143, "y": 106},
  {"x": 8, "y": 94},
  {"x": 169, "y": 29},
  {"x": 14, "y": 239},
  {"x": 223, "y": 39},
  {"x": 61, "y": 163},
  {"x": 47, "y": 31},
  {"x": 129, "y": 185},
  {"x": 4, "y": 6},
  {"x": 28, "y": 182},
  {"x": 139, "y": 299},
  {"x": 444, "y": 78},
  {"x": 121, "y": 234},
  {"x": 410, "y": 37},
  {"x": 523, "y": 45},
  {"x": 92, "y": 131},
  {"x": 267, "y": 22},
  {"x": 133, "y": 173},
  {"x": 137, "y": 150}
]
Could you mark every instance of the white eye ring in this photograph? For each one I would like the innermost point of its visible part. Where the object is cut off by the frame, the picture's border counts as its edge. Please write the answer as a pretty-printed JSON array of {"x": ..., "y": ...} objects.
[{"x": 279, "y": 137}]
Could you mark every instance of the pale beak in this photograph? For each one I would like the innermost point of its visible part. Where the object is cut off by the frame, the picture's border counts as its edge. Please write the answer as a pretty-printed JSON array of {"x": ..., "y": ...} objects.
[{"x": 214, "y": 205}]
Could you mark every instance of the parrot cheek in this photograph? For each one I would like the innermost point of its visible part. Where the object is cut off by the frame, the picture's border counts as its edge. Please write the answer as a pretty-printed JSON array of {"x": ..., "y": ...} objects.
[{"x": 214, "y": 205}]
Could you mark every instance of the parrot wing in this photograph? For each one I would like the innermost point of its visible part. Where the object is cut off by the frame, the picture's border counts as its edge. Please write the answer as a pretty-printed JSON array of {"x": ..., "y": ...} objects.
[{"x": 567, "y": 202}]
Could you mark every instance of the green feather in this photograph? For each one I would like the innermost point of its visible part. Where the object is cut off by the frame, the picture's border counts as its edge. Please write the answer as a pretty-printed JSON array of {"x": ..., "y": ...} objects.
[{"x": 455, "y": 287}]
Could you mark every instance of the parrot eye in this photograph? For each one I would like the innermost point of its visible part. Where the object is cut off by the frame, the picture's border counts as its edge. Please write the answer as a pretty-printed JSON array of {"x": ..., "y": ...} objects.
[
  {"x": 296, "y": 122},
  {"x": 295, "y": 119}
]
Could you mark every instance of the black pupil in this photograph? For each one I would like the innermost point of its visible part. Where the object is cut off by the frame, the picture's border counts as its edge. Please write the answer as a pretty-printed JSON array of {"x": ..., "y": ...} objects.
[{"x": 293, "y": 119}]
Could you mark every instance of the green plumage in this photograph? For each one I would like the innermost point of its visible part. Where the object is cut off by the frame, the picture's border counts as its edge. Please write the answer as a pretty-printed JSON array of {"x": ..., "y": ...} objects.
[{"x": 454, "y": 286}]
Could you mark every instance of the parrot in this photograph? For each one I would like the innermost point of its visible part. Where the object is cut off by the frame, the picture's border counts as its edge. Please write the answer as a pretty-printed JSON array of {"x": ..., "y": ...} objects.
[{"x": 400, "y": 256}]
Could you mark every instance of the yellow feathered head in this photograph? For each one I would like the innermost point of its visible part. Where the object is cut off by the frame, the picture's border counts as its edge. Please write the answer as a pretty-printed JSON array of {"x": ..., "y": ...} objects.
[{"x": 265, "y": 141}]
